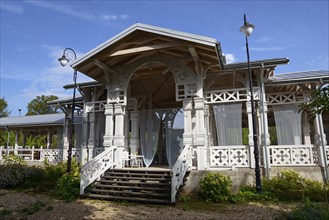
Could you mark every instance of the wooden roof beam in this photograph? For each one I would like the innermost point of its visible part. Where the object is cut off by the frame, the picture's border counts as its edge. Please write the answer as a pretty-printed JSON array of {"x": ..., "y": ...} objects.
[{"x": 144, "y": 49}]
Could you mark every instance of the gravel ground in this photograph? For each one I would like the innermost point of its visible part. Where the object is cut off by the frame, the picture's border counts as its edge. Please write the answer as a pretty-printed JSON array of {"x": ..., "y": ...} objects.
[{"x": 14, "y": 205}]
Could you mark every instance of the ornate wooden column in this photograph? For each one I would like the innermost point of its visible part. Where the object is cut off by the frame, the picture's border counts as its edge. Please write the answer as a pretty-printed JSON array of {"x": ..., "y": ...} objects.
[
  {"x": 187, "y": 136},
  {"x": 109, "y": 123},
  {"x": 199, "y": 136}
]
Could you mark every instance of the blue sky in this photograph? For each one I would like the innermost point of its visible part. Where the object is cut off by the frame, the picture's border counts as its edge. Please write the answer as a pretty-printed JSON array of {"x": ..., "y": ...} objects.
[{"x": 35, "y": 33}]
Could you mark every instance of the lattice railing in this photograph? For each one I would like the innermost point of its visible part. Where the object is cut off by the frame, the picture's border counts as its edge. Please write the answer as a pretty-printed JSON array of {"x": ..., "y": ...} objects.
[
  {"x": 178, "y": 171},
  {"x": 97, "y": 106},
  {"x": 287, "y": 97},
  {"x": 222, "y": 96},
  {"x": 293, "y": 155},
  {"x": 96, "y": 167},
  {"x": 229, "y": 156}
]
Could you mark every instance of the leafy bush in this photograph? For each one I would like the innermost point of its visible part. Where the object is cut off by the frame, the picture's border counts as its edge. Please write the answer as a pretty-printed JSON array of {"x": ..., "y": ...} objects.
[
  {"x": 216, "y": 187},
  {"x": 291, "y": 186},
  {"x": 50, "y": 178},
  {"x": 68, "y": 185},
  {"x": 248, "y": 194},
  {"x": 13, "y": 159},
  {"x": 17, "y": 175}
]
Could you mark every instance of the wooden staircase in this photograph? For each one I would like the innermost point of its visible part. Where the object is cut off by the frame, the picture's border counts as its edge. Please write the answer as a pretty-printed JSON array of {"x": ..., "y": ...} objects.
[{"x": 133, "y": 184}]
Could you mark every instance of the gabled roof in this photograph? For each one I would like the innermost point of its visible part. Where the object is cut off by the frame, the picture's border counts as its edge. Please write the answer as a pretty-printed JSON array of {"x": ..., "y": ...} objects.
[
  {"x": 151, "y": 29},
  {"x": 140, "y": 40},
  {"x": 304, "y": 76}
]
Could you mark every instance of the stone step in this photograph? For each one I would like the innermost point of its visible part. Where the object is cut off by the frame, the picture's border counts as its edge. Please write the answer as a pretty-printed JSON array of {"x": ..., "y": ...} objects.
[
  {"x": 133, "y": 199},
  {"x": 125, "y": 178},
  {"x": 131, "y": 193},
  {"x": 156, "y": 189},
  {"x": 132, "y": 183}
]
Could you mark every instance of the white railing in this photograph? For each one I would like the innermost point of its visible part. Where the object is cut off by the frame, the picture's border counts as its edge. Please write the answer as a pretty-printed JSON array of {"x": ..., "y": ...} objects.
[
  {"x": 287, "y": 97},
  {"x": 96, "y": 167},
  {"x": 293, "y": 155},
  {"x": 235, "y": 95},
  {"x": 32, "y": 154},
  {"x": 229, "y": 156},
  {"x": 178, "y": 171}
]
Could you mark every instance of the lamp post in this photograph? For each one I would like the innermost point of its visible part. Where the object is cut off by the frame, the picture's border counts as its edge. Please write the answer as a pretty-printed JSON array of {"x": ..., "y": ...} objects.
[
  {"x": 63, "y": 61},
  {"x": 247, "y": 29}
]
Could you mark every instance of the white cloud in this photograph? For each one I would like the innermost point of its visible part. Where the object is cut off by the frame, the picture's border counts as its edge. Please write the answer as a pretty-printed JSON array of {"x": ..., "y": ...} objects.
[
  {"x": 108, "y": 17},
  {"x": 230, "y": 58},
  {"x": 262, "y": 49},
  {"x": 75, "y": 13},
  {"x": 263, "y": 39},
  {"x": 11, "y": 7}
]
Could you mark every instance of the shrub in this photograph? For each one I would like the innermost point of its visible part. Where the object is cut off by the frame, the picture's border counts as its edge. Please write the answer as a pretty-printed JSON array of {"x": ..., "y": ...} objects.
[
  {"x": 216, "y": 187},
  {"x": 16, "y": 175},
  {"x": 291, "y": 186},
  {"x": 68, "y": 185},
  {"x": 248, "y": 194},
  {"x": 13, "y": 159}
]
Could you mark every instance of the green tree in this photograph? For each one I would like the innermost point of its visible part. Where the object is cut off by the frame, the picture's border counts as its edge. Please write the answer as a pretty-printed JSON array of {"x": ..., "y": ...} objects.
[
  {"x": 39, "y": 106},
  {"x": 319, "y": 102},
  {"x": 4, "y": 112}
]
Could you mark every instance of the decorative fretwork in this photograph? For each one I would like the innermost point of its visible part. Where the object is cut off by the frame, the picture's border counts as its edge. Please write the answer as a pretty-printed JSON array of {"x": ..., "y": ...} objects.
[
  {"x": 287, "y": 97},
  {"x": 116, "y": 97},
  {"x": 178, "y": 171},
  {"x": 96, "y": 167},
  {"x": 292, "y": 155},
  {"x": 235, "y": 95},
  {"x": 97, "y": 106},
  {"x": 232, "y": 156},
  {"x": 52, "y": 155}
]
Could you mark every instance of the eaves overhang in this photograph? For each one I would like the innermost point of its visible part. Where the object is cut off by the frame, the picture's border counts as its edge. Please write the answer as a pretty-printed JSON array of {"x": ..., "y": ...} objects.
[{"x": 257, "y": 64}]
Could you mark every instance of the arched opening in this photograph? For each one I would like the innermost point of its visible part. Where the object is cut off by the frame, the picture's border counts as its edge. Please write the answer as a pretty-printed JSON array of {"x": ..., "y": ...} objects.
[{"x": 152, "y": 86}]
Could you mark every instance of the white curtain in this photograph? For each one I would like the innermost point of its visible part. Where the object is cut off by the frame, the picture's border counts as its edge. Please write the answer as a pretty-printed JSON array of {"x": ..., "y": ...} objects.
[
  {"x": 228, "y": 119},
  {"x": 149, "y": 134},
  {"x": 174, "y": 134},
  {"x": 288, "y": 124}
]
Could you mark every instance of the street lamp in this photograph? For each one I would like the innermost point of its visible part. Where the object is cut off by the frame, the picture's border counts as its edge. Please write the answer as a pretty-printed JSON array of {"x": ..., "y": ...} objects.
[
  {"x": 63, "y": 61},
  {"x": 247, "y": 29}
]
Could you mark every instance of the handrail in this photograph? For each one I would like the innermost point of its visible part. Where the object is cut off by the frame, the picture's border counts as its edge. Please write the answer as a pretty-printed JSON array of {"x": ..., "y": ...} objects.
[
  {"x": 178, "y": 171},
  {"x": 96, "y": 167}
]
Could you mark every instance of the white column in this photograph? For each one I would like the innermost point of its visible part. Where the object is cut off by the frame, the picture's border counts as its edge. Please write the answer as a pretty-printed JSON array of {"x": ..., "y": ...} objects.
[
  {"x": 126, "y": 131},
  {"x": 48, "y": 139},
  {"x": 119, "y": 113},
  {"x": 199, "y": 141},
  {"x": 250, "y": 135},
  {"x": 91, "y": 138},
  {"x": 85, "y": 153},
  {"x": 264, "y": 125},
  {"x": 187, "y": 136},
  {"x": 16, "y": 142},
  {"x": 306, "y": 130},
  {"x": 134, "y": 138},
  {"x": 109, "y": 123}
]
